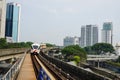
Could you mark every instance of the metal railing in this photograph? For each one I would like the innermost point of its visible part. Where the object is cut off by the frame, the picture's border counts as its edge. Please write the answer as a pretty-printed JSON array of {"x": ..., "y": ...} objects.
[{"x": 13, "y": 71}]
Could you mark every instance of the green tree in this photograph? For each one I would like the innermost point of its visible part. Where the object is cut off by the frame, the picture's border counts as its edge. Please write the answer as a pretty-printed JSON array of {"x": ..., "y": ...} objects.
[
  {"x": 77, "y": 59},
  {"x": 29, "y": 43},
  {"x": 19, "y": 45},
  {"x": 89, "y": 50},
  {"x": 50, "y": 45},
  {"x": 3, "y": 43},
  {"x": 100, "y": 48},
  {"x": 73, "y": 50}
]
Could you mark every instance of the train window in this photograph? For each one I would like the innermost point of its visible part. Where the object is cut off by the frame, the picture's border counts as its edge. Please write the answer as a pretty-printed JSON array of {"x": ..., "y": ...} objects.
[{"x": 35, "y": 47}]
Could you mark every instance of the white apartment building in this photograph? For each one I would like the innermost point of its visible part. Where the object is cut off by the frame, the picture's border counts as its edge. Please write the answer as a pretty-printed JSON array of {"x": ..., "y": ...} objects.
[
  {"x": 2, "y": 18},
  {"x": 89, "y": 35}
]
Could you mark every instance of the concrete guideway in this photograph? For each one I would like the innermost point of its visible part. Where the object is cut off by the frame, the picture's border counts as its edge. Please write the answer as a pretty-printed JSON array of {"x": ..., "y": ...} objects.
[
  {"x": 11, "y": 53},
  {"x": 101, "y": 57},
  {"x": 27, "y": 71},
  {"x": 46, "y": 70},
  {"x": 11, "y": 56}
]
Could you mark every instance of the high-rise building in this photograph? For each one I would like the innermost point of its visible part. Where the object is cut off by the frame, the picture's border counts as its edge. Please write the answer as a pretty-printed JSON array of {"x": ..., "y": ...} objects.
[
  {"x": 12, "y": 22},
  {"x": 107, "y": 32},
  {"x": 95, "y": 34},
  {"x": 83, "y": 36},
  {"x": 71, "y": 41},
  {"x": 2, "y": 18},
  {"x": 89, "y": 35}
]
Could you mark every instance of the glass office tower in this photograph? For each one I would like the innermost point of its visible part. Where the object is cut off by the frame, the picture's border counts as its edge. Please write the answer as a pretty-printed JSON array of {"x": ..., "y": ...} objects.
[
  {"x": 107, "y": 32},
  {"x": 12, "y": 22}
]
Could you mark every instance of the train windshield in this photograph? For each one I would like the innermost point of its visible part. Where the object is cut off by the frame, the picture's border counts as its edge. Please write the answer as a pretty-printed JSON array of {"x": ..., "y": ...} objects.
[{"x": 35, "y": 47}]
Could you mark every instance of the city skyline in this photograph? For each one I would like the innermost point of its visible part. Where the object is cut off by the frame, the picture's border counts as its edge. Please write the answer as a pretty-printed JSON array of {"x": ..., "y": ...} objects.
[{"x": 52, "y": 20}]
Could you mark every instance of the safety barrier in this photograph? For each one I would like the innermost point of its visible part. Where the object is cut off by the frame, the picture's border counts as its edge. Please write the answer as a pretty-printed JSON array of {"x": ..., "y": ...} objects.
[
  {"x": 6, "y": 52},
  {"x": 77, "y": 72},
  {"x": 13, "y": 71}
]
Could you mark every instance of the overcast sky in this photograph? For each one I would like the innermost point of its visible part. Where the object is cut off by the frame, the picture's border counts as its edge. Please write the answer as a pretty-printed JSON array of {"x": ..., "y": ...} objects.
[{"x": 50, "y": 21}]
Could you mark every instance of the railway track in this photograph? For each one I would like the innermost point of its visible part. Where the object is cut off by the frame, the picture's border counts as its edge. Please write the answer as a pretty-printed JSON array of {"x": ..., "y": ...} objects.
[
  {"x": 78, "y": 73},
  {"x": 36, "y": 65},
  {"x": 52, "y": 71}
]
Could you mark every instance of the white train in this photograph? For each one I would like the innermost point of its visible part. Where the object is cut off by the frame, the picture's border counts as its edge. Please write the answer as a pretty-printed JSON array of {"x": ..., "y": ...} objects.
[{"x": 35, "y": 48}]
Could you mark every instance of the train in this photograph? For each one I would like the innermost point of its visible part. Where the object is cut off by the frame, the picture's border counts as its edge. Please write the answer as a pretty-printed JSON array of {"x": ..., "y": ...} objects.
[{"x": 35, "y": 48}]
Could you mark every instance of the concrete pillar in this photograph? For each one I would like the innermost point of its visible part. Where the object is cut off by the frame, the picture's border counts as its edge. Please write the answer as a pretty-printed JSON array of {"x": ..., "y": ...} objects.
[
  {"x": 98, "y": 64},
  {"x": 94, "y": 63}
]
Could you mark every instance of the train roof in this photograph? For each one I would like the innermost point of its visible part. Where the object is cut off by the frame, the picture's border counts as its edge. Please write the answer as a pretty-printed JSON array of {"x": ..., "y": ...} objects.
[{"x": 35, "y": 44}]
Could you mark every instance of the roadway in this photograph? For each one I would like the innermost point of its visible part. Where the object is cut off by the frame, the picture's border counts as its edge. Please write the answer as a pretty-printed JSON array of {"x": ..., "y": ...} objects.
[{"x": 101, "y": 57}]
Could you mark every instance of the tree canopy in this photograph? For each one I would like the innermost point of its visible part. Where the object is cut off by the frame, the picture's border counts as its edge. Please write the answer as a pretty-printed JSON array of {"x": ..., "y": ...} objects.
[
  {"x": 5, "y": 45},
  {"x": 100, "y": 48},
  {"x": 89, "y": 50},
  {"x": 77, "y": 59},
  {"x": 50, "y": 45},
  {"x": 74, "y": 50}
]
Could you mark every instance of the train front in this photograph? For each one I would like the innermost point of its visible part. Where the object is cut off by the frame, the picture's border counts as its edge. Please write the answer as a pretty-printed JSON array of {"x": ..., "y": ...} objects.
[{"x": 35, "y": 49}]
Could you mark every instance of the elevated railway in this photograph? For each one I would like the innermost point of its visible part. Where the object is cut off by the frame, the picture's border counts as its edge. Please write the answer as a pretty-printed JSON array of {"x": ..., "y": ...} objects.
[
  {"x": 26, "y": 71},
  {"x": 49, "y": 68},
  {"x": 51, "y": 71},
  {"x": 77, "y": 73}
]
